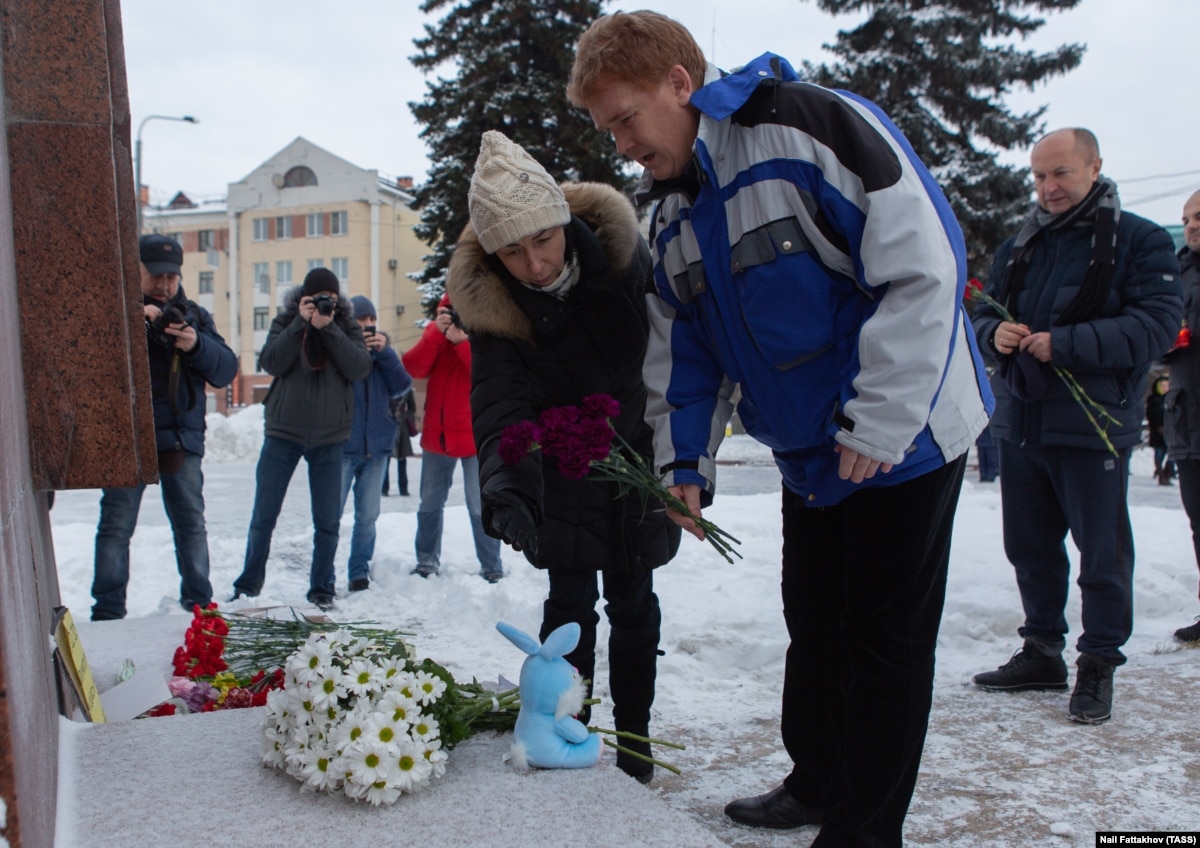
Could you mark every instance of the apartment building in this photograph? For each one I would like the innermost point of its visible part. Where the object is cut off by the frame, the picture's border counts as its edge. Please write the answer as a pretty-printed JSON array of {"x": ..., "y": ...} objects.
[{"x": 303, "y": 208}]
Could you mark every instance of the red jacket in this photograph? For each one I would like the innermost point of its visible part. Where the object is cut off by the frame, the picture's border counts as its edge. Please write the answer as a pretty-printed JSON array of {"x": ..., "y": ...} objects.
[{"x": 447, "y": 427}]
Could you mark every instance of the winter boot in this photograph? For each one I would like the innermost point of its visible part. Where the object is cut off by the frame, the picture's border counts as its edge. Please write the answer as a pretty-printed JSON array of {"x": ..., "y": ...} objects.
[
  {"x": 1191, "y": 633},
  {"x": 1029, "y": 669},
  {"x": 1091, "y": 702}
]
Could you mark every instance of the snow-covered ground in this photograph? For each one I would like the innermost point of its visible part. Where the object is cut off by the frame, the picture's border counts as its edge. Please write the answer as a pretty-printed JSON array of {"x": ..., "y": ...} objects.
[{"x": 998, "y": 769}]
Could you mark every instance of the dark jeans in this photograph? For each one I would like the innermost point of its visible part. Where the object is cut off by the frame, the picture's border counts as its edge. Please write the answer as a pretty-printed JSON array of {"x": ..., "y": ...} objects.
[
  {"x": 401, "y": 476},
  {"x": 634, "y": 618},
  {"x": 1189, "y": 493},
  {"x": 1046, "y": 492},
  {"x": 183, "y": 500},
  {"x": 863, "y": 587},
  {"x": 989, "y": 456},
  {"x": 276, "y": 464},
  {"x": 362, "y": 474}
]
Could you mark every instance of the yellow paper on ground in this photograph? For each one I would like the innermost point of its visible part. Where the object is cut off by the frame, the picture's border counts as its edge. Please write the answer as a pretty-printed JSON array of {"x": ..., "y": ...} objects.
[{"x": 66, "y": 639}]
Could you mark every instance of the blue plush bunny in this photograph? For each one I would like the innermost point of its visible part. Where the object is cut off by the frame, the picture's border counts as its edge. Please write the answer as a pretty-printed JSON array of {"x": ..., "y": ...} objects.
[{"x": 547, "y": 735}]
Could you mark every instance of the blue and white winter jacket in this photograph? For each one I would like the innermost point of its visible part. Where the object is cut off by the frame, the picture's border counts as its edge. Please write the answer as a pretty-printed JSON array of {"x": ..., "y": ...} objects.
[
  {"x": 810, "y": 258},
  {"x": 373, "y": 432}
]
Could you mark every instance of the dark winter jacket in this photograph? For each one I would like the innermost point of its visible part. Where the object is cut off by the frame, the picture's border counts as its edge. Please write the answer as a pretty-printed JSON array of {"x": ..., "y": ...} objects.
[
  {"x": 1182, "y": 405},
  {"x": 1110, "y": 355},
  {"x": 373, "y": 432},
  {"x": 447, "y": 427},
  {"x": 404, "y": 413},
  {"x": 181, "y": 424},
  {"x": 533, "y": 351},
  {"x": 311, "y": 400}
]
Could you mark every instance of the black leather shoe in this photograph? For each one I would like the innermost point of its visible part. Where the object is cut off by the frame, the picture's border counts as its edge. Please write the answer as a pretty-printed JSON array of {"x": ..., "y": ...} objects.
[{"x": 776, "y": 809}]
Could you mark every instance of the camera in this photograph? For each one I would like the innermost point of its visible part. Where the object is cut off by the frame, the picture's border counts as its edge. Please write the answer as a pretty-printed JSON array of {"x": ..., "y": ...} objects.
[
  {"x": 324, "y": 303},
  {"x": 456, "y": 320},
  {"x": 171, "y": 313}
]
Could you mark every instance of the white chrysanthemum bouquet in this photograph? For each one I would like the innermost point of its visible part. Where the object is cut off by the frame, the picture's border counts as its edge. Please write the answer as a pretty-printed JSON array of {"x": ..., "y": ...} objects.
[{"x": 363, "y": 718}]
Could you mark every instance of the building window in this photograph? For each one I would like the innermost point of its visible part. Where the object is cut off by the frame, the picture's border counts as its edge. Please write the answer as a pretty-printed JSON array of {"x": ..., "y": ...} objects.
[
  {"x": 261, "y": 229},
  {"x": 283, "y": 227},
  {"x": 338, "y": 223},
  {"x": 205, "y": 286},
  {"x": 283, "y": 273},
  {"x": 315, "y": 230},
  {"x": 262, "y": 317},
  {"x": 206, "y": 240},
  {"x": 298, "y": 177},
  {"x": 340, "y": 266},
  {"x": 316, "y": 263},
  {"x": 176, "y": 237},
  {"x": 262, "y": 276}
]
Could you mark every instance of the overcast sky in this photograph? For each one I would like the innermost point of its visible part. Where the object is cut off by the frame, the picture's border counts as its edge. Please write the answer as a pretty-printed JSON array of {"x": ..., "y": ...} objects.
[{"x": 339, "y": 75}]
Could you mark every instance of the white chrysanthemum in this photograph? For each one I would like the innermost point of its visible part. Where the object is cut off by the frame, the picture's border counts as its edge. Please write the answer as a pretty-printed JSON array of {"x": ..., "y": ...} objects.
[
  {"x": 435, "y": 756},
  {"x": 382, "y": 729},
  {"x": 310, "y": 661},
  {"x": 319, "y": 769},
  {"x": 381, "y": 792},
  {"x": 427, "y": 687},
  {"x": 327, "y": 691},
  {"x": 351, "y": 726},
  {"x": 368, "y": 762},
  {"x": 411, "y": 769},
  {"x": 424, "y": 728},
  {"x": 390, "y": 668},
  {"x": 362, "y": 678},
  {"x": 402, "y": 708},
  {"x": 274, "y": 745}
]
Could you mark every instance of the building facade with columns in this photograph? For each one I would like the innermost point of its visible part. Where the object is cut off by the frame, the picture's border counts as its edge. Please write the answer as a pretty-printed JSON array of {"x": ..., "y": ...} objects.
[{"x": 302, "y": 208}]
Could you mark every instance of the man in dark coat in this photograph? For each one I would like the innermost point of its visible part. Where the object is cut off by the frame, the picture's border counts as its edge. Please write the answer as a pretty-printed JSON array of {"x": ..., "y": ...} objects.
[
  {"x": 185, "y": 352},
  {"x": 1182, "y": 405},
  {"x": 315, "y": 352},
  {"x": 1093, "y": 290},
  {"x": 548, "y": 279}
]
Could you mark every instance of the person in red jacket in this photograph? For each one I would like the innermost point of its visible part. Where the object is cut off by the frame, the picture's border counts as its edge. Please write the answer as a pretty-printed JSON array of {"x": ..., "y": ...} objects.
[{"x": 443, "y": 355}]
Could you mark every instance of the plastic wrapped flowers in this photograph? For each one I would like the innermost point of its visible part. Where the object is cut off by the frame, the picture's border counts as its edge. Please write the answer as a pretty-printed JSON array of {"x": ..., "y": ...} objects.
[{"x": 362, "y": 718}]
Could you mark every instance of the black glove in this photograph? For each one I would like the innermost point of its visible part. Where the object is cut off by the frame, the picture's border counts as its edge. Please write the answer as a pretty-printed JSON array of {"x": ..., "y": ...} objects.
[{"x": 508, "y": 516}]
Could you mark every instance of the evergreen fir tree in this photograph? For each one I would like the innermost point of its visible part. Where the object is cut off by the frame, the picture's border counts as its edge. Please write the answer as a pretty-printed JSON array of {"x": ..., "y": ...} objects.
[
  {"x": 512, "y": 59},
  {"x": 940, "y": 69}
]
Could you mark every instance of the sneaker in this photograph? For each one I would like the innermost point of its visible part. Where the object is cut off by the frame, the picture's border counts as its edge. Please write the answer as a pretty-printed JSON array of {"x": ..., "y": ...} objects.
[
  {"x": 1091, "y": 702},
  {"x": 425, "y": 571},
  {"x": 321, "y": 601},
  {"x": 238, "y": 593},
  {"x": 1029, "y": 669},
  {"x": 1190, "y": 633},
  {"x": 493, "y": 576},
  {"x": 358, "y": 584}
]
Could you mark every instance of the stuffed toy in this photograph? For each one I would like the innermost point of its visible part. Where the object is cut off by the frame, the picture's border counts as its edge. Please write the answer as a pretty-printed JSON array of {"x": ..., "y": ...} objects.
[{"x": 547, "y": 734}]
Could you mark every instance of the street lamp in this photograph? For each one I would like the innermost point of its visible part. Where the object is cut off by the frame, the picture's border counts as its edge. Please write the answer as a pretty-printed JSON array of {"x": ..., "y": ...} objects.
[{"x": 137, "y": 156}]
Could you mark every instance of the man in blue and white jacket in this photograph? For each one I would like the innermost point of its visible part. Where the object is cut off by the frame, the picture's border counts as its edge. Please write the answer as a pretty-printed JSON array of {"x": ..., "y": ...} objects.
[{"x": 803, "y": 253}]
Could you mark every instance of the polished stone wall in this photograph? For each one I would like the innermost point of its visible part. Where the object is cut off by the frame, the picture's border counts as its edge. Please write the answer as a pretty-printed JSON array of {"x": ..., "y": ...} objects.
[{"x": 74, "y": 383}]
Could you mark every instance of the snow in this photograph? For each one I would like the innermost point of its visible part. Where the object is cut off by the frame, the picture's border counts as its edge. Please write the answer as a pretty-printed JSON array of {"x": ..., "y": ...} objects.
[{"x": 998, "y": 770}]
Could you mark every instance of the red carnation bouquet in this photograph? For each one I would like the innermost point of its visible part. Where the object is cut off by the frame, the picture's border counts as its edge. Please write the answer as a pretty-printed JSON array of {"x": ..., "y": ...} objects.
[{"x": 581, "y": 439}]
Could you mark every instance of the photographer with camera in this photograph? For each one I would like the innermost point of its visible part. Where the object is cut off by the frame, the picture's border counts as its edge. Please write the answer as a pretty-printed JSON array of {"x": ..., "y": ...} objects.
[
  {"x": 443, "y": 355},
  {"x": 315, "y": 352},
  {"x": 185, "y": 352}
]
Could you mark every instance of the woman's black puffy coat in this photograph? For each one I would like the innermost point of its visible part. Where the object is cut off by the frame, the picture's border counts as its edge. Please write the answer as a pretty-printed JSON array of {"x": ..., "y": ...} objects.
[{"x": 532, "y": 351}]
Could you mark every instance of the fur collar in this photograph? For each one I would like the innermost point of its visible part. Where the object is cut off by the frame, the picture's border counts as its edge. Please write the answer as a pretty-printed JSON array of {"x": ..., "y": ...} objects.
[{"x": 480, "y": 295}]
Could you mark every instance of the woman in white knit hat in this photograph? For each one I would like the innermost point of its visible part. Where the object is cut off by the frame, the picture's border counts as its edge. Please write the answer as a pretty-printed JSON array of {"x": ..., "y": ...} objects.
[{"x": 549, "y": 281}]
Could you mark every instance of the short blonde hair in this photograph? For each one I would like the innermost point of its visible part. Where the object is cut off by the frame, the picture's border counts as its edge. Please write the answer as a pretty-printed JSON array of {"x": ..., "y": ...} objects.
[{"x": 638, "y": 48}]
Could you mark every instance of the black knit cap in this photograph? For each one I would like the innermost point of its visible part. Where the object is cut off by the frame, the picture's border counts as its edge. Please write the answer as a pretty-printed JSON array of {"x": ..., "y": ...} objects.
[{"x": 320, "y": 280}]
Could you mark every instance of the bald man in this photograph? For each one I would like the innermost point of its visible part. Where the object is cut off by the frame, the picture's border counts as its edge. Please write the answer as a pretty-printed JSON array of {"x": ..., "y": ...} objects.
[{"x": 1093, "y": 290}]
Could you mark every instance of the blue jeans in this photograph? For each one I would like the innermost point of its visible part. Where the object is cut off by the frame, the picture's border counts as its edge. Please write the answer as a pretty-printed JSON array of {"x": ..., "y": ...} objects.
[
  {"x": 437, "y": 473},
  {"x": 183, "y": 500},
  {"x": 276, "y": 464},
  {"x": 1046, "y": 493},
  {"x": 364, "y": 473}
]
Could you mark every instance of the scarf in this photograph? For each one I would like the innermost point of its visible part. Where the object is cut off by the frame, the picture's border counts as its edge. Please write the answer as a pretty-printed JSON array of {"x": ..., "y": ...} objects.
[
  {"x": 562, "y": 286},
  {"x": 1101, "y": 208}
]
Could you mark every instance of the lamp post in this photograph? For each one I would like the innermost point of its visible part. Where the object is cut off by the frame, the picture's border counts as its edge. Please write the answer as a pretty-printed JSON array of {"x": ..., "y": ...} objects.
[{"x": 137, "y": 156}]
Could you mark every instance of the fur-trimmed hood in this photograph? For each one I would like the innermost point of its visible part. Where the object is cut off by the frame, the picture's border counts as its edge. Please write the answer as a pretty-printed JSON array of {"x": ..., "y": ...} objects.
[{"x": 480, "y": 295}]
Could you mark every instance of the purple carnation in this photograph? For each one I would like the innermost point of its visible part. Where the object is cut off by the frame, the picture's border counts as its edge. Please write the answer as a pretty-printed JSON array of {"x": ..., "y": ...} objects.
[
  {"x": 600, "y": 406},
  {"x": 517, "y": 440}
]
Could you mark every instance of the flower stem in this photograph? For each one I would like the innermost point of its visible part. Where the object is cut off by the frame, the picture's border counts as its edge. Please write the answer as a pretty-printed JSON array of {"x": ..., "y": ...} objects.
[{"x": 626, "y": 735}]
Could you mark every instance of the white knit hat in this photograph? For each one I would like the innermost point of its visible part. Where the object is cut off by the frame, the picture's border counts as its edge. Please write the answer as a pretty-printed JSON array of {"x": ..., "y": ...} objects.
[{"x": 511, "y": 195}]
